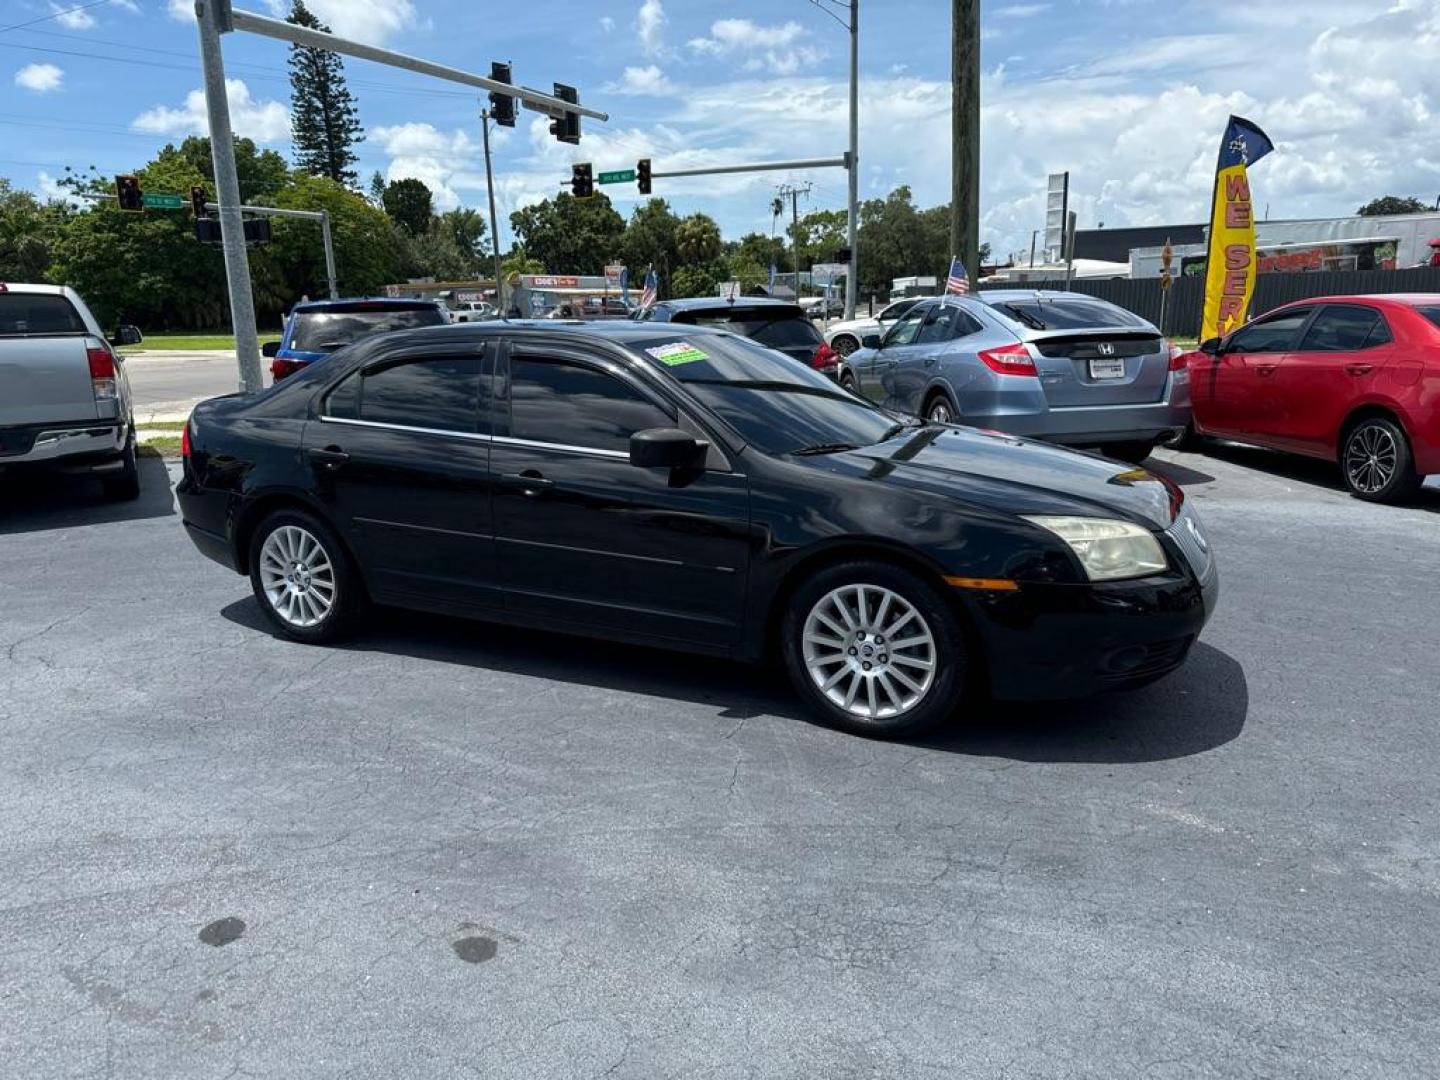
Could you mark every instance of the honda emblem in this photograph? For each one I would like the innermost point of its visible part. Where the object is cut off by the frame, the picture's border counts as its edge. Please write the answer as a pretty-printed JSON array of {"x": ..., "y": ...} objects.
[{"x": 1106, "y": 349}]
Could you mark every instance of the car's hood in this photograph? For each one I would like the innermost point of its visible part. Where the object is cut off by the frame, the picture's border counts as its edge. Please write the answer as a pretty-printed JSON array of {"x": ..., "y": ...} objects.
[{"x": 1015, "y": 476}]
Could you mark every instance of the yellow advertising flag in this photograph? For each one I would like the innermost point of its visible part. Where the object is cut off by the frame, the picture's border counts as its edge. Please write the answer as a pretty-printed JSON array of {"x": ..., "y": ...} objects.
[{"x": 1230, "y": 260}]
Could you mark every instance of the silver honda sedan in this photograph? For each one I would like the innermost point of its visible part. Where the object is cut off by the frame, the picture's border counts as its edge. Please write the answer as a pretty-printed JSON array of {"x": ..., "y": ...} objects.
[{"x": 1059, "y": 366}]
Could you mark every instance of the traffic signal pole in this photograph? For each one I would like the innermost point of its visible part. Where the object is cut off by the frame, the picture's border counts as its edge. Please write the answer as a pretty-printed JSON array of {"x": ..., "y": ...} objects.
[
  {"x": 320, "y": 216},
  {"x": 852, "y": 215},
  {"x": 208, "y": 17},
  {"x": 494, "y": 231}
]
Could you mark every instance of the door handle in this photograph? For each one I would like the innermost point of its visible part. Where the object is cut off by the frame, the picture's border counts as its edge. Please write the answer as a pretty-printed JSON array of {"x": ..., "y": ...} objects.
[
  {"x": 530, "y": 482},
  {"x": 1266, "y": 369},
  {"x": 330, "y": 458},
  {"x": 1358, "y": 369}
]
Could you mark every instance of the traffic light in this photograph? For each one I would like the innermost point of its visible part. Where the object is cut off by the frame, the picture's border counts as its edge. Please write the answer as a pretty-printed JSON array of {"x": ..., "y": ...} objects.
[
  {"x": 581, "y": 180},
  {"x": 842, "y": 255},
  {"x": 502, "y": 106},
  {"x": 642, "y": 175},
  {"x": 127, "y": 190},
  {"x": 198, "y": 199},
  {"x": 566, "y": 128}
]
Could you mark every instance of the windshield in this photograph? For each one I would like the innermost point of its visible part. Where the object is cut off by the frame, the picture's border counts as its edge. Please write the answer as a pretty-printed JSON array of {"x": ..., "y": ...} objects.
[
  {"x": 326, "y": 331},
  {"x": 774, "y": 403},
  {"x": 1066, "y": 314}
]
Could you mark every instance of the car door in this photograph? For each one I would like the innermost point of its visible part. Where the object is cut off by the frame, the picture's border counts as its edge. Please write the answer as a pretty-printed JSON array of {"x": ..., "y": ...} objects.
[
  {"x": 920, "y": 364},
  {"x": 401, "y": 455},
  {"x": 1342, "y": 354},
  {"x": 872, "y": 372},
  {"x": 584, "y": 536},
  {"x": 1235, "y": 386}
]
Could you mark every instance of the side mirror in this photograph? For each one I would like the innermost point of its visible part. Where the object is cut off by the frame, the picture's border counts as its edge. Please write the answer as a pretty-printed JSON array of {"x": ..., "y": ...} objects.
[
  {"x": 126, "y": 334},
  {"x": 870, "y": 341},
  {"x": 1211, "y": 346},
  {"x": 667, "y": 448},
  {"x": 270, "y": 349}
]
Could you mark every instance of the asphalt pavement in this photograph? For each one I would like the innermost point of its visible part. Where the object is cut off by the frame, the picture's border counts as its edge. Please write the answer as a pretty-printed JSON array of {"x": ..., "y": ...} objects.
[
  {"x": 452, "y": 850},
  {"x": 167, "y": 384}
]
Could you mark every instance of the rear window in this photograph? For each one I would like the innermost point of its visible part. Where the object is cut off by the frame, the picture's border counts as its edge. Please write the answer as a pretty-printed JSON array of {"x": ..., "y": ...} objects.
[
  {"x": 326, "y": 331},
  {"x": 778, "y": 328},
  {"x": 1432, "y": 313},
  {"x": 1066, "y": 314},
  {"x": 23, "y": 314}
]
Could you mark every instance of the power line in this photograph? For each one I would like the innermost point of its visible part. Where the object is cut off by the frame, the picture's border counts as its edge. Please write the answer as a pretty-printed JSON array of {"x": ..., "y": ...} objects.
[{"x": 52, "y": 15}]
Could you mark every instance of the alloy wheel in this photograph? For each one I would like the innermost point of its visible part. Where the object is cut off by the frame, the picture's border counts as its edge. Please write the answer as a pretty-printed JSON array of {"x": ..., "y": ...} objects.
[
  {"x": 1371, "y": 457},
  {"x": 869, "y": 651},
  {"x": 844, "y": 345},
  {"x": 298, "y": 576},
  {"x": 939, "y": 412}
]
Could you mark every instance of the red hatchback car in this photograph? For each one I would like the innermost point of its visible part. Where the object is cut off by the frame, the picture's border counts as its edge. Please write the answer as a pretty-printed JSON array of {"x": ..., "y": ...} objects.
[{"x": 1353, "y": 379}]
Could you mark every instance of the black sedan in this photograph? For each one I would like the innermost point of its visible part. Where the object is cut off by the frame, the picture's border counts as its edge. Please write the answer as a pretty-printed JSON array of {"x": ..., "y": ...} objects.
[{"x": 674, "y": 486}]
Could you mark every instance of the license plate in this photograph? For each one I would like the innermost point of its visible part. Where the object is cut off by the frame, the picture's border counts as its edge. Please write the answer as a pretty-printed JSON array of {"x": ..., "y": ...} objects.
[{"x": 1107, "y": 367}]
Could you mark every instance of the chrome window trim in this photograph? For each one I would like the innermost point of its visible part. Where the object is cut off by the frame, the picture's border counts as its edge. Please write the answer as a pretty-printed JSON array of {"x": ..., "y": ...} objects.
[
  {"x": 593, "y": 451},
  {"x": 620, "y": 455}
]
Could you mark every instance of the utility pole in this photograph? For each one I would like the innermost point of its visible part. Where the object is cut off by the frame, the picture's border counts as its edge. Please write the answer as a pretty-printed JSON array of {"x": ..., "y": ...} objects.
[
  {"x": 965, "y": 134},
  {"x": 852, "y": 221},
  {"x": 793, "y": 193},
  {"x": 494, "y": 232}
]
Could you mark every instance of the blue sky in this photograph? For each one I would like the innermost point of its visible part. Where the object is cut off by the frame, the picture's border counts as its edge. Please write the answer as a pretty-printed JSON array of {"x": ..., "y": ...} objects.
[{"x": 1130, "y": 95}]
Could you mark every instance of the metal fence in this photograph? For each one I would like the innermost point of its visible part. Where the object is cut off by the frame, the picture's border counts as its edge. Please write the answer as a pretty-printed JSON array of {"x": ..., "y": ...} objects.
[{"x": 1182, "y": 307}]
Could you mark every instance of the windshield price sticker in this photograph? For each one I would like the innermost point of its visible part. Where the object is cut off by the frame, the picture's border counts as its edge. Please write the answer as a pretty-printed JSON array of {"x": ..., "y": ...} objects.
[{"x": 677, "y": 353}]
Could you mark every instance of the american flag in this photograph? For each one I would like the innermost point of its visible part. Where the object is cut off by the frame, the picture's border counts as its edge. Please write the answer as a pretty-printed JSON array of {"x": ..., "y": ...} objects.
[
  {"x": 652, "y": 290},
  {"x": 958, "y": 281}
]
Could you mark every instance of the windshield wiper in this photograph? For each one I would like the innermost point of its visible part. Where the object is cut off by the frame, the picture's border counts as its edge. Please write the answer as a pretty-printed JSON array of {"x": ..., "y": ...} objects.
[
  {"x": 824, "y": 448},
  {"x": 1024, "y": 316}
]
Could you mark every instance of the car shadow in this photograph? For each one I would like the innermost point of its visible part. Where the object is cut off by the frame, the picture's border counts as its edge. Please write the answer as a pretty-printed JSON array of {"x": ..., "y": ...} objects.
[
  {"x": 1305, "y": 470},
  {"x": 34, "y": 501},
  {"x": 1199, "y": 707}
]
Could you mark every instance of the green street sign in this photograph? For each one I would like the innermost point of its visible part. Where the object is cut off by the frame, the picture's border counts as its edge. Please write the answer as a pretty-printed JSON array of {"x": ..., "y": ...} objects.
[
  {"x": 162, "y": 202},
  {"x": 620, "y": 176}
]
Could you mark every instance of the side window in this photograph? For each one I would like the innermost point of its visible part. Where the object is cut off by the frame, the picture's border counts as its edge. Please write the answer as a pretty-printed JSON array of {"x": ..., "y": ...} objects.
[
  {"x": 438, "y": 392},
  {"x": 1272, "y": 335},
  {"x": 937, "y": 325},
  {"x": 559, "y": 401},
  {"x": 907, "y": 329},
  {"x": 965, "y": 324},
  {"x": 343, "y": 402},
  {"x": 1379, "y": 333},
  {"x": 895, "y": 310},
  {"x": 1340, "y": 329}
]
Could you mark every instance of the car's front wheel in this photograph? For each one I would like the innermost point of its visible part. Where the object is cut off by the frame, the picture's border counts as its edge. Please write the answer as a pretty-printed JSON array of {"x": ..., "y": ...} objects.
[
  {"x": 875, "y": 649},
  {"x": 303, "y": 578},
  {"x": 845, "y": 344},
  {"x": 1377, "y": 463},
  {"x": 939, "y": 410}
]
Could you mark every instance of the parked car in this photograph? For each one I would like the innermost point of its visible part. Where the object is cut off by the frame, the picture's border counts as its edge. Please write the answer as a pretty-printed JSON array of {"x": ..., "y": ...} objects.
[
  {"x": 604, "y": 307},
  {"x": 1058, "y": 366},
  {"x": 1351, "y": 379},
  {"x": 677, "y": 486},
  {"x": 473, "y": 311},
  {"x": 778, "y": 324},
  {"x": 845, "y": 337},
  {"x": 64, "y": 395},
  {"x": 316, "y": 328}
]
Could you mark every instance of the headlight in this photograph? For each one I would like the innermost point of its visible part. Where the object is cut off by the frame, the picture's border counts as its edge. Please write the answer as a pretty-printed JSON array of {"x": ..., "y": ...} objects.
[{"x": 1108, "y": 549}]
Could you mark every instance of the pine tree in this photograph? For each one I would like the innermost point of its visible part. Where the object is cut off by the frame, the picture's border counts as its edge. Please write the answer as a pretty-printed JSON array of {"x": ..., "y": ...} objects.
[
  {"x": 324, "y": 122},
  {"x": 377, "y": 189}
]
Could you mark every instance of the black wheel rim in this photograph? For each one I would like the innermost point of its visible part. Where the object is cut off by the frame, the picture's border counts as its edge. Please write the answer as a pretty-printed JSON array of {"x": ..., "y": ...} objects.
[
  {"x": 1371, "y": 458},
  {"x": 844, "y": 346}
]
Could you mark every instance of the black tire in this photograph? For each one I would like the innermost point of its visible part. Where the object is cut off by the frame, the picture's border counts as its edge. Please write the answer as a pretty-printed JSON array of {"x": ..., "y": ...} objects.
[
  {"x": 348, "y": 594},
  {"x": 937, "y": 404},
  {"x": 1190, "y": 441},
  {"x": 948, "y": 650},
  {"x": 1132, "y": 452},
  {"x": 847, "y": 381},
  {"x": 124, "y": 486},
  {"x": 845, "y": 344},
  {"x": 1376, "y": 461}
]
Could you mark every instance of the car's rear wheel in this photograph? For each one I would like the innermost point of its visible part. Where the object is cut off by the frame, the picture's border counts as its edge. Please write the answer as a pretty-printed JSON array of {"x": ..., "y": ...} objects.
[
  {"x": 875, "y": 649},
  {"x": 303, "y": 577},
  {"x": 124, "y": 485},
  {"x": 938, "y": 410},
  {"x": 1133, "y": 452},
  {"x": 845, "y": 344},
  {"x": 1376, "y": 462}
]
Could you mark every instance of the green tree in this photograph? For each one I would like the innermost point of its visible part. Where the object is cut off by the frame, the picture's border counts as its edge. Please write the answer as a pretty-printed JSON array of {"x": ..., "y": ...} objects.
[
  {"x": 747, "y": 271},
  {"x": 821, "y": 233},
  {"x": 465, "y": 228},
  {"x": 324, "y": 120},
  {"x": 28, "y": 231},
  {"x": 650, "y": 241},
  {"x": 697, "y": 240},
  {"x": 894, "y": 241},
  {"x": 377, "y": 189},
  {"x": 697, "y": 279},
  {"x": 1393, "y": 204},
  {"x": 262, "y": 173},
  {"x": 408, "y": 204},
  {"x": 433, "y": 254},
  {"x": 520, "y": 261},
  {"x": 570, "y": 235},
  {"x": 767, "y": 251}
]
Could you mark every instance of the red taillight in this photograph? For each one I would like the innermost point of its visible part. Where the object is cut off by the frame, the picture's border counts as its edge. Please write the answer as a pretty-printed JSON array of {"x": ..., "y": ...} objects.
[
  {"x": 279, "y": 368},
  {"x": 185, "y": 440},
  {"x": 1179, "y": 358},
  {"x": 1009, "y": 360},
  {"x": 825, "y": 357},
  {"x": 102, "y": 370}
]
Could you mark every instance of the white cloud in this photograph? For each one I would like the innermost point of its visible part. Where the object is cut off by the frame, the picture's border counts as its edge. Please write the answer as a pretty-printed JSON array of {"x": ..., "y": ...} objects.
[
  {"x": 72, "y": 17},
  {"x": 450, "y": 163},
  {"x": 638, "y": 81},
  {"x": 184, "y": 10},
  {"x": 371, "y": 21},
  {"x": 650, "y": 25},
  {"x": 263, "y": 121},
  {"x": 40, "y": 78},
  {"x": 1022, "y": 11},
  {"x": 777, "y": 49},
  {"x": 128, "y": 5},
  {"x": 607, "y": 24}
]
